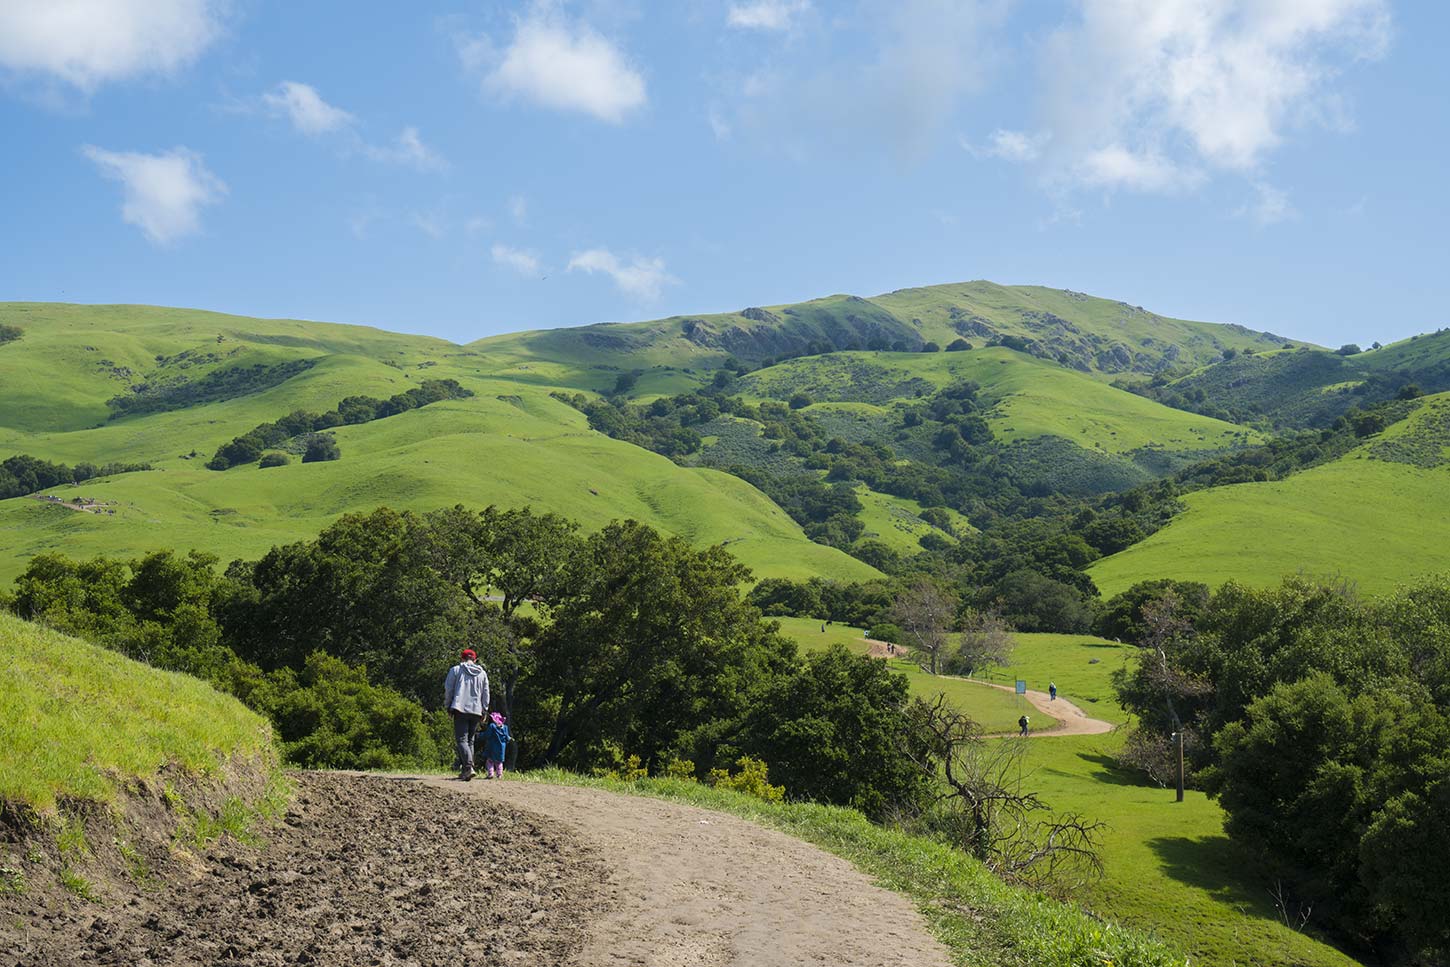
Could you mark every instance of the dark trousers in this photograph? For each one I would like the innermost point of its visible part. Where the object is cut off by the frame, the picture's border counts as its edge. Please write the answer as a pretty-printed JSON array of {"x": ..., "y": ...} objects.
[{"x": 465, "y": 727}]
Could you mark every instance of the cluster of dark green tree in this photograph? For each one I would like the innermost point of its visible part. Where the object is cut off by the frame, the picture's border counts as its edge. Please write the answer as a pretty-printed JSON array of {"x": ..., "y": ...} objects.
[
  {"x": 1320, "y": 722},
  {"x": 23, "y": 474},
  {"x": 307, "y": 428},
  {"x": 622, "y": 642},
  {"x": 9, "y": 333},
  {"x": 161, "y": 393}
]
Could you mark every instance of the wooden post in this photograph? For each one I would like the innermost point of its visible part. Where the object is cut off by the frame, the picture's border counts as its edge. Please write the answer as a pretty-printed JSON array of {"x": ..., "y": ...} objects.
[{"x": 1179, "y": 736}]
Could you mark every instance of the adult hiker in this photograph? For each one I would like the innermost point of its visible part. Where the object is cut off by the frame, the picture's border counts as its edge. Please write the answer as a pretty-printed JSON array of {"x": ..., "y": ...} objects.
[
  {"x": 465, "y": 695},
  {"x": 1052, "y": 691},
  {"x": 1022, "y": 724}
]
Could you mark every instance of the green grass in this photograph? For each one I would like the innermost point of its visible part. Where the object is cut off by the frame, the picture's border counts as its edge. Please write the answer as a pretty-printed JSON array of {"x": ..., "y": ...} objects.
[
  {"x": 981, "y": 920},
  {"x": 1169, "y": 868},
  {"x": 78, "y": 721},
  {"x": 1378, "y": 523}
]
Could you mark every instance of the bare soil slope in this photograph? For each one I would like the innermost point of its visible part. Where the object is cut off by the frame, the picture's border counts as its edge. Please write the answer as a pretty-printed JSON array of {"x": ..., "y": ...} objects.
[{"x": 364, "y": 870}]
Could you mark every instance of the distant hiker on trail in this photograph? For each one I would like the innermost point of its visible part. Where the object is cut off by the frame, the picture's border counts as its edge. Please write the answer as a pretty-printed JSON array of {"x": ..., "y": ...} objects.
[
  {"x": 1052, "y": 690},
  {"x": 495, "y": 744},
  {"x": 465, "y": 695},
  {"x": 1022, "y": 724}
]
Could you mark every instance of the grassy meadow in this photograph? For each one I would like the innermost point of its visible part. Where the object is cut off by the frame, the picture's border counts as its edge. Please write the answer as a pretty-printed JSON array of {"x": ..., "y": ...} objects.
[{"x": 1169, "y": 868}]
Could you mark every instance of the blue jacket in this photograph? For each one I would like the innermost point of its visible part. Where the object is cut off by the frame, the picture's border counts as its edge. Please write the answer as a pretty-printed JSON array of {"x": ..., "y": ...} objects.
[{"x": 495, "y": 740}]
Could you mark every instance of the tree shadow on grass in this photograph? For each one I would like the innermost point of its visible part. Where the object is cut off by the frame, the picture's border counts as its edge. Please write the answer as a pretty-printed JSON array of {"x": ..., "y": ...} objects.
[
  {"x": 1217, "y": 866},
  {"x": 1110, "y": 772}
]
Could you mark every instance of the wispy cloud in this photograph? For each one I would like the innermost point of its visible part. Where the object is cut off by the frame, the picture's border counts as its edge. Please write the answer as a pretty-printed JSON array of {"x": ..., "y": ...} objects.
[
  {"x": 522, "y": 262},
  {"x": 518, "y": 207},
  {"x": 163, "y": 194},
  {"x": 1269, "y": 207},
  {"x": 304, "y": 107},
  {"x": 1018, "y": 146},
  {"x": 87, "y": 43},
  {"x": 643, "y": 278},
  {"x": 559, "y": 63},
  {"x": 1115, "y": 166},
  {"x": 407, "y": 149},
  {"x": 766, "y": 14}
]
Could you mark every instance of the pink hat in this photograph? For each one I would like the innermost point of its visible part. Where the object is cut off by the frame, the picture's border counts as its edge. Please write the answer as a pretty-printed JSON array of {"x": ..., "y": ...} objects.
[{"x": 497, "y": 718}]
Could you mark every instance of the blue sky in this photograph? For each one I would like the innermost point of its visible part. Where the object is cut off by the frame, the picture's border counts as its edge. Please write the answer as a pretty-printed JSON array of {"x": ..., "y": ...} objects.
[{"x": 467, "y": 168}]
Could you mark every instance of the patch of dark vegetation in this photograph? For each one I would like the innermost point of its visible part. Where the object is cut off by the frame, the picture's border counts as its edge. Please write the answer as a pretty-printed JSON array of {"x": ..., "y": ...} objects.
[
  {"x": 1318, "y": 720},
  {"x": 763, "y": 337},
  {"x": 9, "y": 333},
  {"x": 23, "y": 474},
  {"x": 1306, "y": 388},
  {"x": 302, "y": 432},
  {"x": 1048, "y": 464},
  {"x": 159, "y": 394},
  {"x": 1422, "y": 444}
]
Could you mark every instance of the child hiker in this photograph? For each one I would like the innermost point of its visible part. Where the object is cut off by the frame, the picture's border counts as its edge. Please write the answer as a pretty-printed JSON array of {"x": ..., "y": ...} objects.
[{"x": 495, "y": 744}]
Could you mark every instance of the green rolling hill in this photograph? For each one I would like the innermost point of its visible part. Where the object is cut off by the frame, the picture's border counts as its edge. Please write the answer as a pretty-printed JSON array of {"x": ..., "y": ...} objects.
[
  {"x": 509, "y": 444},
  {"x": 1377, "y": 516}
]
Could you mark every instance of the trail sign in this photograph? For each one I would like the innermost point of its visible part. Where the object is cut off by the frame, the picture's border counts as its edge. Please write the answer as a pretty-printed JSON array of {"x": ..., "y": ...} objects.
[{"x": 1021, "y": 687}]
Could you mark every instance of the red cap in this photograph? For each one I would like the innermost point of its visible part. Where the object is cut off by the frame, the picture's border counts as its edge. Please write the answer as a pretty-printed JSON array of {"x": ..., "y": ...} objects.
[{"x": 469, "y": 654}]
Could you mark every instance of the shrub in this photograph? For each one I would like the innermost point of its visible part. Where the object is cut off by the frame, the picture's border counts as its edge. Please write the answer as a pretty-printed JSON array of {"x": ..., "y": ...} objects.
[
  {"x": 320, "y": 447},
  {"x": 9, "y": 333},
  {"x": 800, "y": 401},
  {"x": 683, "y": 769},
  {"x": 930, "y": 347},
  {"x": 1348, "y": 349},
  {"x": 752, "y": 779},
  {"x": 886, "y": 631},
  {"x": 958, "y": 345},
  {"x": 274, "y": 459}
]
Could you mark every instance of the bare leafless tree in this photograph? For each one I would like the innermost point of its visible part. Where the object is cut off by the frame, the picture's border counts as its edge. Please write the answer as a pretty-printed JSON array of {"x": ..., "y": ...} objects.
[
  {"x": 986, "y": 640},
  {"x": 996, "y": 819},
  {"x": 924, "y": 613}
]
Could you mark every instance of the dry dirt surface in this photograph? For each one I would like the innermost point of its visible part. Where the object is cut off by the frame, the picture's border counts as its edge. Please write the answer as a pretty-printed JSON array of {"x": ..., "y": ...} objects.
[
  {"x": 364, "y": 870},
  {"x": 696, "y": 888},
  {"x": 1068, "y": 718}
]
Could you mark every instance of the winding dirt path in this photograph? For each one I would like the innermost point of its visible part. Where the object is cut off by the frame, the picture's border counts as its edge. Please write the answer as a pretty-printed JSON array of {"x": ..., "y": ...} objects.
[
  {"x": 694, "y": 888},
  {"x": 1070, "y": 719}
]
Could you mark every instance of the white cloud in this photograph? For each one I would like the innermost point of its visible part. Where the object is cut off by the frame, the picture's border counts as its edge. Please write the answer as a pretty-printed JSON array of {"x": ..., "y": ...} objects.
[
  {"x": 1017, "y": 146},
  {"x": 560, "y": 64},
  {"x": 524, "y": 263},
  {"x": 1115, "y": 166},
  {"x": 1270, "y": 206},
  {"x": 86, "y": 43},
  {"x": 766, "y": 14},
  {"x": 305, "y": 108},
  {"x": 163, "y": 193},
  {"x": 643, "y": 278},
  {"x": 407, "y": 149},
  {"x": 1144, "y": 86}
]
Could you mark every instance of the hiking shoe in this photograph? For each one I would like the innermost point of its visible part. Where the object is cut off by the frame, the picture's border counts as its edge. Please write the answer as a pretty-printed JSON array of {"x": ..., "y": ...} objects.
[{"x": 466, "y": 775}]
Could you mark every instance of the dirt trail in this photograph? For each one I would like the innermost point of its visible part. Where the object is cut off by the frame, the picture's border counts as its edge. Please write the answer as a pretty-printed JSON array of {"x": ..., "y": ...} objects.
[
  {"x": 702, "y": 889},
  {"x": 1070, "y": 719}
]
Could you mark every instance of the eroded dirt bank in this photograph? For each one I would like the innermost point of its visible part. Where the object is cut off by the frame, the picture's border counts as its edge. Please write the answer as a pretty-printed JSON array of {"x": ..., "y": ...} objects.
[{"x": 366, "y": 870}]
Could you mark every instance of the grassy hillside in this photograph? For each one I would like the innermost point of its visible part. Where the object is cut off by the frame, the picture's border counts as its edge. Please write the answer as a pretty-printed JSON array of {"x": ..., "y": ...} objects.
[
  {"x": 1029, "y": 397},
  {"x": 509, "y": 444},
  {"x": 78, "y": 721},
  {"x": 1076, "y": 330},
  {"x": 1377, "y": 516}
]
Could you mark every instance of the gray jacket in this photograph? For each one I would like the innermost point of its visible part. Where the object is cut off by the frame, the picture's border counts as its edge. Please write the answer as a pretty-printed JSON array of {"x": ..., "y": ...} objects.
[{"x": 466, "y": 689}]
